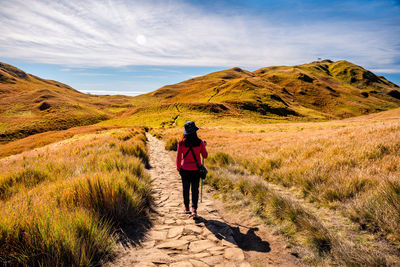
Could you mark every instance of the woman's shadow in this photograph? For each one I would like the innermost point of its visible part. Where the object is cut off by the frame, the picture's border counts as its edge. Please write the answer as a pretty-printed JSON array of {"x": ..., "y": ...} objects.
[{"x": 246, "y": 241}]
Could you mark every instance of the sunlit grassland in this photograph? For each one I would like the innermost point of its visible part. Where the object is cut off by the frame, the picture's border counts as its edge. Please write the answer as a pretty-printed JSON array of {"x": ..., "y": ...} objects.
[
  {"x": 63, "y": 204},
  {"x": 19, "y": 125},
  {"x": 42, "y": 139},
  {"x": 167, "y": 116},
  {"x": 31, "y": 105},
  {"x": 348, "y": 167},
  {"x": 116, "y": 109},
  {"x": 312, "y": 240}
]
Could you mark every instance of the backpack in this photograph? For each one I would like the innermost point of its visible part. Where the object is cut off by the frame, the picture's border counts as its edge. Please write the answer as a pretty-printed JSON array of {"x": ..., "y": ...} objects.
[{"x": 202, "y": 170}]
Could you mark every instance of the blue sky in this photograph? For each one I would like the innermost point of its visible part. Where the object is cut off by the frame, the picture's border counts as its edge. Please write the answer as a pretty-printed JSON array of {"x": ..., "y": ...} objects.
[{"x": 131, "y": 47}]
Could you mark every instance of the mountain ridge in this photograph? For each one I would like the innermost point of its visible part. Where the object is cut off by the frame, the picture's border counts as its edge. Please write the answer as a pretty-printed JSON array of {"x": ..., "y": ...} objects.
[{"x": 327, "y": 89}]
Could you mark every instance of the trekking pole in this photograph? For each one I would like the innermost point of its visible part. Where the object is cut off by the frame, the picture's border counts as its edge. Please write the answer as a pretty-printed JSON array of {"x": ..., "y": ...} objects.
[{"x": 201, "y": 190}]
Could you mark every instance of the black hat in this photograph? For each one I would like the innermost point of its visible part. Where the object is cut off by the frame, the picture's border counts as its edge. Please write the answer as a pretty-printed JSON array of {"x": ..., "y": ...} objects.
[{"x": 190, "y": 127}]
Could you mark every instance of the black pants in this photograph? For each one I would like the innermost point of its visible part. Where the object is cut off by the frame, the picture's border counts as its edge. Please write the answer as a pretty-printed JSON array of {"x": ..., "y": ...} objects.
[{"x": 190, "y": 179}]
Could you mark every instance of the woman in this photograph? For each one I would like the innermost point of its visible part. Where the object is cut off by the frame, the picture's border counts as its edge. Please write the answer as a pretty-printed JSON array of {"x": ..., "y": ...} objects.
[{"x": 187, "y": 166}]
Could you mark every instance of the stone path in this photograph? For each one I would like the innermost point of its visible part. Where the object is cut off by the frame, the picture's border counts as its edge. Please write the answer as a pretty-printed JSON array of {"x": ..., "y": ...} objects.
[{"x": 177, "y": 239}]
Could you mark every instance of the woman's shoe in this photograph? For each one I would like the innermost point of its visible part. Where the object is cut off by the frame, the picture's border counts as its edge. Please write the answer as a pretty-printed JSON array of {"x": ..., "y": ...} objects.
[
  {"x": 194, "y": 211},
  {"x": 187, "y": 211}
]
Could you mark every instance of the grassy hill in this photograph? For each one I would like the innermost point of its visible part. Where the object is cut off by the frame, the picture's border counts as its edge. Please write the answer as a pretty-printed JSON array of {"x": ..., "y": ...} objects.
[
  {"x": 29, "y": 105},
  {"x": 319, "y": 90}
]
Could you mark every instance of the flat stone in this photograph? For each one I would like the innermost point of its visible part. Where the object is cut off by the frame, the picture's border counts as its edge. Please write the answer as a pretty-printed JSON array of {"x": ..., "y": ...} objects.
[
  {"x": 155, "y": 256},
  {"x": 217, "y": 252},
  {"x": 211, "y": 209},
  {"x": 178, "y": 256},
  {"x": 198, "y": 246},
  {"x": 206, "y": 231},
  {"x": 193, "y": 228},
  {"x": 226, "y": 264},
  {"x": 213, "y": 260},
  {"x": 197, "y": 263},
  {"x": 181, "y": 264},
  {"x": 158, "y": 235},
  {"x": 213, "y": 217},
  {"x": 229, "y": 244},
  {"x": 169, "y": 221},
  {"x": 212, "y": 237},
  {"x": 144, "y": 264},
  {"x": 175, "y": 231},
  {"x": 189, "y": 237},
  {"x": 148, "y": 244},
  {"x": 172, "y": 204},
  {"x": 201, "y": 255},
  {"x": 161, "y": 227},
  {"x": 174, "y": 244},
  {"x": 235, "y": 254},
  {"x": 216, "y": 248}
]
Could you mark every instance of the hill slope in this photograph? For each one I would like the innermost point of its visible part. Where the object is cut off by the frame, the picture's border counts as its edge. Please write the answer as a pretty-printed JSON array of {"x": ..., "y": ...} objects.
[
  {"x": 29, "y": 105},
  {"x": 317, "y": 90}
]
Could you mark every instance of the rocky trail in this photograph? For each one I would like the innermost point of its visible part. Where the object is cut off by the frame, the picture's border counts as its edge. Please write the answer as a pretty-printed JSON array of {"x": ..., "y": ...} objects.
[{"x": 211, "y": 239}]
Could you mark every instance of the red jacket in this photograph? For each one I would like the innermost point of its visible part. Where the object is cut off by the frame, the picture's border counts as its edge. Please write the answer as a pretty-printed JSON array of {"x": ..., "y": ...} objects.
[{"x": 188, "y": 163}]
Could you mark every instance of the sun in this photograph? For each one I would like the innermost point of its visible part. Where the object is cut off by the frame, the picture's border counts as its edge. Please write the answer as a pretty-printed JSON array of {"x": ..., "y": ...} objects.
[{"x": 141, "y": 39}]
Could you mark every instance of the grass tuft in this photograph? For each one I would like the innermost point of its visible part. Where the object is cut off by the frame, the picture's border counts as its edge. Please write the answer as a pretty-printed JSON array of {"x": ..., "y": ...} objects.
[
  {"x": 172, "y": 144},
  {"x": 28, "y": 177},
  {"x": 220, "y": 159}
]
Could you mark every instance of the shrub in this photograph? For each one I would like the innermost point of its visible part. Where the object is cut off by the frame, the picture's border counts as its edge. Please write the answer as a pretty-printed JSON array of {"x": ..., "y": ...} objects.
[
  {"x": 120, "y": 197},
  {"x": 171, "y": 144},
  {"x": 220, "y": 159},
  {"x": 219, "y": 182}
]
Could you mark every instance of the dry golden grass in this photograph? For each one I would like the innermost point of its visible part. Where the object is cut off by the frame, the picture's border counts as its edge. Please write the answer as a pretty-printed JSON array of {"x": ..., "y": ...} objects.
[
  {"x": 62, "y": 204},
  {"x": 42, "y": 139}
]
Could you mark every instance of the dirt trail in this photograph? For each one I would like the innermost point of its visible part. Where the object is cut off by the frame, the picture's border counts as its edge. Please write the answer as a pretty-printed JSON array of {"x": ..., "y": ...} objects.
[{"x": 176, "y": 239}]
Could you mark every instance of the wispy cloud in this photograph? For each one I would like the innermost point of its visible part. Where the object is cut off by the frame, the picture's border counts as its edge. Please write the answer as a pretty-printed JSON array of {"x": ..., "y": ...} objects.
[
  {"x": 391, "y": 71},
  {"x": 120, "y": 33},
  {"x": 92, "y": 74}
]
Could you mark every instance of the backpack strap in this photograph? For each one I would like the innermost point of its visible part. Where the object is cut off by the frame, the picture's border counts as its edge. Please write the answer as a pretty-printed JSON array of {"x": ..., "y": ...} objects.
[
  {"x": 187, "y": 152},
  {"x": 181, "y": 145},
  {"x": 195, "y": 159}
]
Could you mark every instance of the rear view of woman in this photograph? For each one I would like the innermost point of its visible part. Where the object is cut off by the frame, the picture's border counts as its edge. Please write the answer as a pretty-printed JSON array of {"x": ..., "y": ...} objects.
[{"x": 189, "y": 150}]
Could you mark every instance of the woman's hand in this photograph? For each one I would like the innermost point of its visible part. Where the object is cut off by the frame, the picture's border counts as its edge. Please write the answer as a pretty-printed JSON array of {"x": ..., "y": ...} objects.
[{"x": 205, "y": 143}]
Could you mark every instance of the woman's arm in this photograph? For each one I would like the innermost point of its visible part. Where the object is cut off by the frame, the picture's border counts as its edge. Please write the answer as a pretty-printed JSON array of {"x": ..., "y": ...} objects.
[
  {"x": 179, "y": 157},
  {"x": 203, "y": 150}
]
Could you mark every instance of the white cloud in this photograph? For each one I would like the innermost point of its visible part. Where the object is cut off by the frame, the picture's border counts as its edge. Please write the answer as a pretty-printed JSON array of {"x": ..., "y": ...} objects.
[
  {"x": 390, "y": 71},
  {"x": 92, "y": 74},
  {"x": 96, "y": 33}
]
